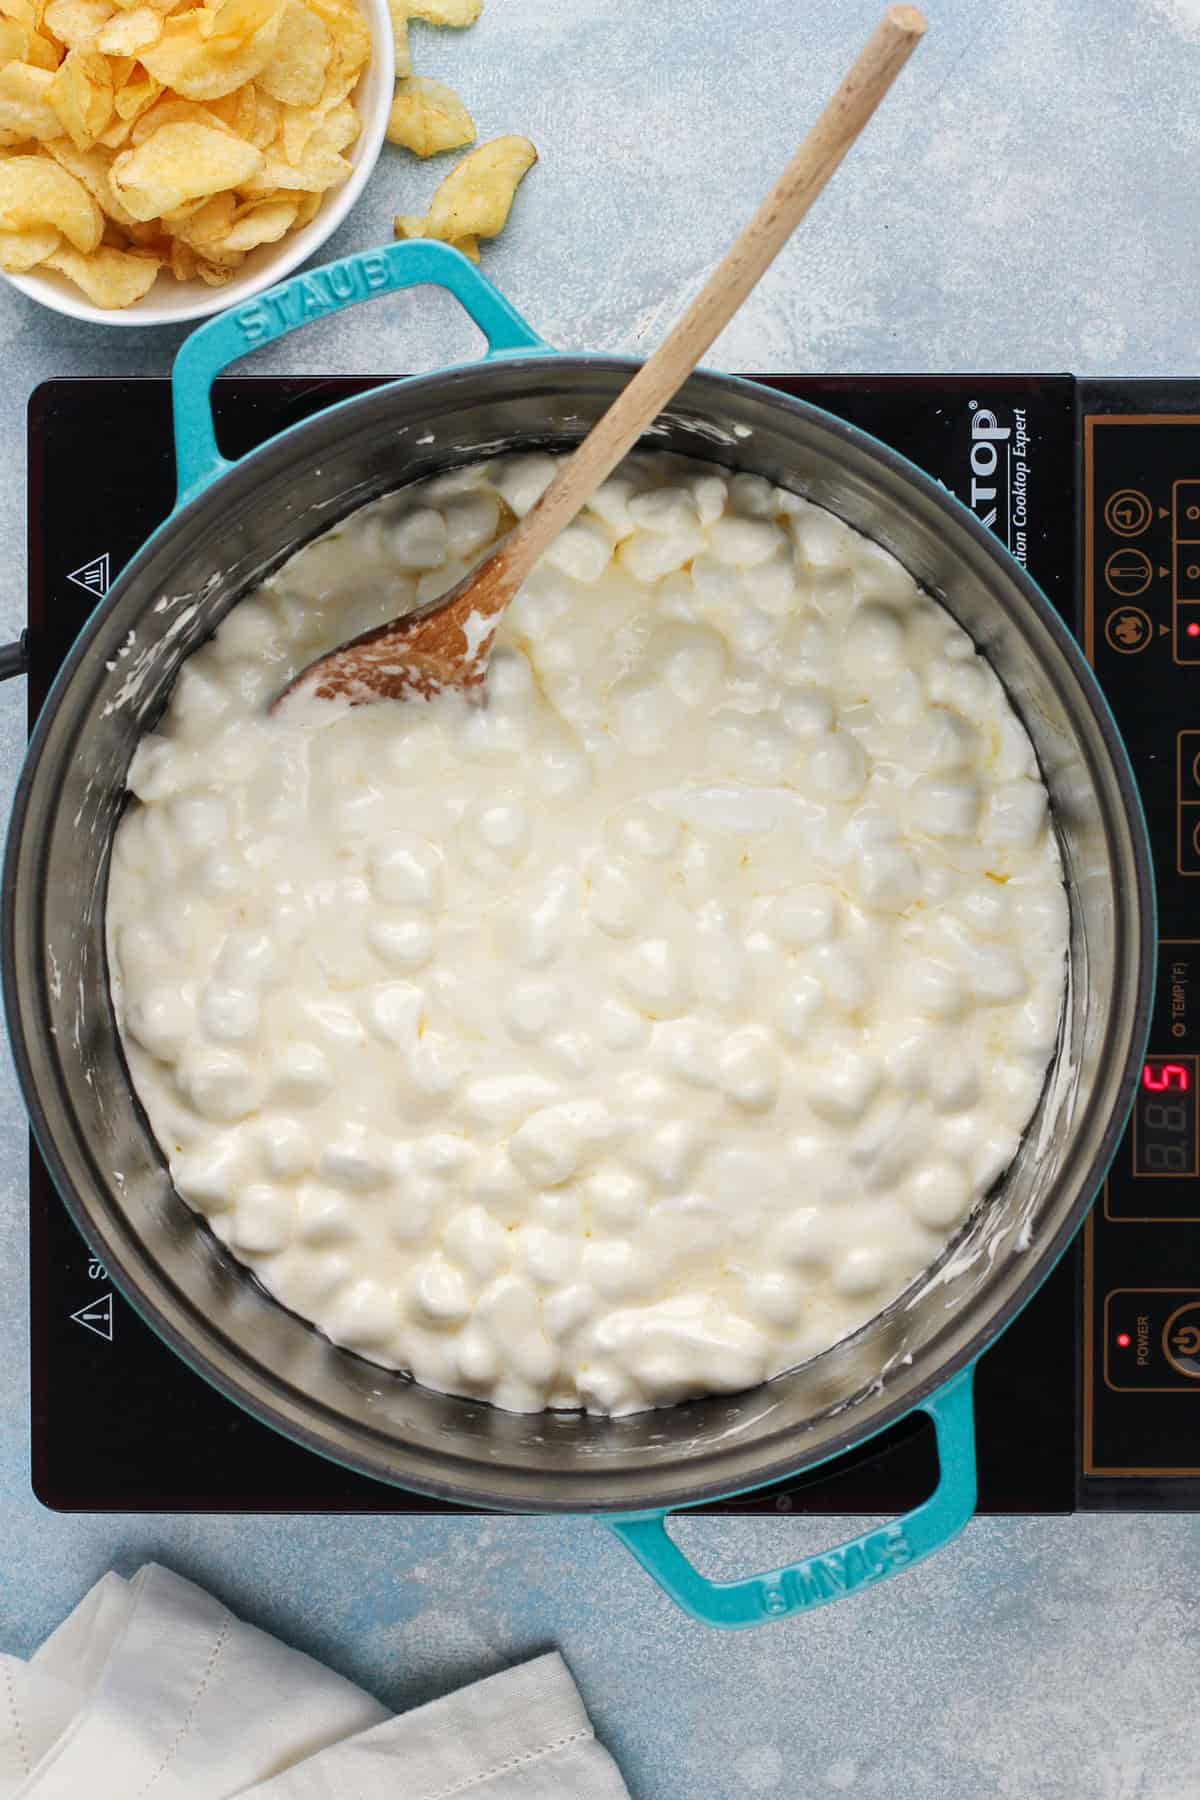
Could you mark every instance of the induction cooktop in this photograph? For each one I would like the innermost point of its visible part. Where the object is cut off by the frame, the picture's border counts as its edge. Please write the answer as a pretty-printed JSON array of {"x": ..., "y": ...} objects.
[{"x": 1091, "y": 1399}]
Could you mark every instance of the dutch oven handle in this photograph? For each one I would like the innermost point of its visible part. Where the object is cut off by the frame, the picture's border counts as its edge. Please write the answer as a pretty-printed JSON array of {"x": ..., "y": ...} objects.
[
  {"x": 297, "y": 302},
  {"x": 857, "y": 1564}
]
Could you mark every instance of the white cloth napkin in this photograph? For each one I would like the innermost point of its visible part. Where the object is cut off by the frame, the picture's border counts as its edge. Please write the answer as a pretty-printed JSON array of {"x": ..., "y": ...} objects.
[{"x": 152, "y": 1690}]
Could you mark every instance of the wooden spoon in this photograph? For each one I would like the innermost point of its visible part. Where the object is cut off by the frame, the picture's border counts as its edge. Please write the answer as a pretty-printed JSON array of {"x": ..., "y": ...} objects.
[{"x": 446, "y": 645}]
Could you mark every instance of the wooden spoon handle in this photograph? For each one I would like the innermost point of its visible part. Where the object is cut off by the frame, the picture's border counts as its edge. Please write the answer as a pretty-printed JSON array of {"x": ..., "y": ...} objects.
[{"x": 883, "y": 56}]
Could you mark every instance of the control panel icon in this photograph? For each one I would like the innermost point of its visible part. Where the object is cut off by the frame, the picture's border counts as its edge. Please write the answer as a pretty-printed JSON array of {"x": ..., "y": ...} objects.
[
  {"x": 1181, "y": 1340},
  {"x": 1128, "y": 513},
  {"x": 1128, "y": 572},
  {"x": 1128, "y": 630}
]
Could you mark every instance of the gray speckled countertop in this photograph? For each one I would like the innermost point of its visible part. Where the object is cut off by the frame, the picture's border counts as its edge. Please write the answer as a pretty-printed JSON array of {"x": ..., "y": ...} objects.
[{"x": 1026, "y": 201}]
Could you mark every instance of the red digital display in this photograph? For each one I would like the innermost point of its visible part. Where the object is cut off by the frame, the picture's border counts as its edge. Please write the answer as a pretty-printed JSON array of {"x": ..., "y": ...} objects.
[
  {"x": 1161, "y": 1077},
  {"x": 1166, "y": 1137}
]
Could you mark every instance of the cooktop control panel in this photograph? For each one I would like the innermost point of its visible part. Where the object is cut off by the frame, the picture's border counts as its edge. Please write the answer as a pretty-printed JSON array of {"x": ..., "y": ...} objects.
[{"x": 1140, "y": 444}]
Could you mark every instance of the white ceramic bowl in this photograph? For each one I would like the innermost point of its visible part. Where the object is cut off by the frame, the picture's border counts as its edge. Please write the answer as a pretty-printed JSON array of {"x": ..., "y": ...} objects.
[{"x": 171, "y": 302}]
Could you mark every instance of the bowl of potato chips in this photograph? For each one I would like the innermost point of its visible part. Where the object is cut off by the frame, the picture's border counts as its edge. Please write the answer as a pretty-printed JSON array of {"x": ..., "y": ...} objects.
[{"x": 161, "y": 161}]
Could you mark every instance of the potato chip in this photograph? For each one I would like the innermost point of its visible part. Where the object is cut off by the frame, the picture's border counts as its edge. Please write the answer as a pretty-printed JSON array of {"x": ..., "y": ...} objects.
[
  {"x": 351, "y": 46},
  {"x": 307, "y": 208},
  {"x": 267, "y": 121},
  {"x": 128, "y": 33},
  {"x": 34, "y": 190},
  {"x": 109, "y": 278},
  {"x": 456, "y": 13},
  {"x": 414, "y": 225},
  {"x": 24, "y": 250},
  {"x": 428, "y": 117},
  {"x": 231, "y": 22},
  {"x": 207, "y": 222},
  {"x": 339, "y": 127},
  {"x": 81, "y": 94},
  {"x": 168, "y": 110},
  {"x": 16, "y": 41},
  {"x": 476, "y": 197},
  {"x": 296, "y": 127},
  {"x": 199, "y": 67},
  {"x": 180, "y": 163},
  {"x": 296, "y": 71},
  {"x": 182, "y": 260},
  {"x": 91, "y": 167},
  {"x": 43, "y": 52},
  {"x": 316, "y": 170},
  {"x": 76, "y": 22},
  {"x": 136, "y": 95},
  {"x": 263, "y": 223},
  {"x": 398, "y": 10},
  {"x": 25, "y": 103},
  {"x": 212, "y": 275}
]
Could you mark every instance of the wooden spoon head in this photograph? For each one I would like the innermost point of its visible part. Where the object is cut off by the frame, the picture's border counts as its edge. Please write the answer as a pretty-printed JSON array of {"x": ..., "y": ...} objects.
[{"x": 443, "y": 648}]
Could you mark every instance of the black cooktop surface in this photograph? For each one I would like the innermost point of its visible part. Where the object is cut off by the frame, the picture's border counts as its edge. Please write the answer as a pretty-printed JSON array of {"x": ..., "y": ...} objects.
[{"x": 1092, "y": 1397}]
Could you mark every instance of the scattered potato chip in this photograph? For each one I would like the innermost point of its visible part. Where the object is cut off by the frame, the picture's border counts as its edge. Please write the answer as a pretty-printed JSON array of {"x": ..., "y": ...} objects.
[
  {"x": 399, "y": 15},
  {"x": 21, "y": 251},
  {"x": 428, "y": 117},
  {"x": 36, "y": 191},
  {"x": 81, "y": 94},
  {"x": 476, "y": 197},
  {"x": 180, "y": 163},
  {"x": 295, "y": 74},
  {"x": 456, "y": 13},
  {"x": 415, "y": 225},
  {"x": 109, "y": 278},
  {"x": 128, "y": 33},
  {"x": 25, "y": 102}
]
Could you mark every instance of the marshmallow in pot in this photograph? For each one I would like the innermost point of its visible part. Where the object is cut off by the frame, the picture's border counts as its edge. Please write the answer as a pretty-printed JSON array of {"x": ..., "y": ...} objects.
[{"x": 637, "y": 1034}]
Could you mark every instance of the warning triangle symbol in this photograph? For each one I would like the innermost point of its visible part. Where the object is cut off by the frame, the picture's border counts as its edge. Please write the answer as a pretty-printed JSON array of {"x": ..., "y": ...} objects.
[
  {"x": 93, "y": 576},
  {"x": 96, "y": 1316}
]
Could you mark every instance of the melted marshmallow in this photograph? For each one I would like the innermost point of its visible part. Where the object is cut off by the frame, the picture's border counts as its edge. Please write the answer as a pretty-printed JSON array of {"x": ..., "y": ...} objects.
[{"x": 638, "y": 1034}]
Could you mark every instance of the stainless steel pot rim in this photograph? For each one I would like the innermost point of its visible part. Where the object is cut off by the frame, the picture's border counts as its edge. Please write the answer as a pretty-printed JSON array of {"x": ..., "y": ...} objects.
[{"x": 290, "y": 1410}]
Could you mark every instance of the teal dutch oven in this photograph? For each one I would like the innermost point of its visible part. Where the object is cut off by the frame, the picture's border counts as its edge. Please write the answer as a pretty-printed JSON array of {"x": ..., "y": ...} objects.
[{"x": 236, "y": 522}]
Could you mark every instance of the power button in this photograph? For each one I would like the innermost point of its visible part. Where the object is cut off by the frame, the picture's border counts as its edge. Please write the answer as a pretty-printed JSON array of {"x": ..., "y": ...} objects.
[
  {"x": 1181, "y": 1340},
  {"x": 1152, "y": 1340}
]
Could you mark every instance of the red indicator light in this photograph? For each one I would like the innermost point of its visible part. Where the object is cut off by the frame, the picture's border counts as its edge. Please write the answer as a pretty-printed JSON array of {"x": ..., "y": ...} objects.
[
  {"x": 1124, "y": 1339},
  {"x": 1193, "y": 629},
  {"x": 1159, "y": 1077}
]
